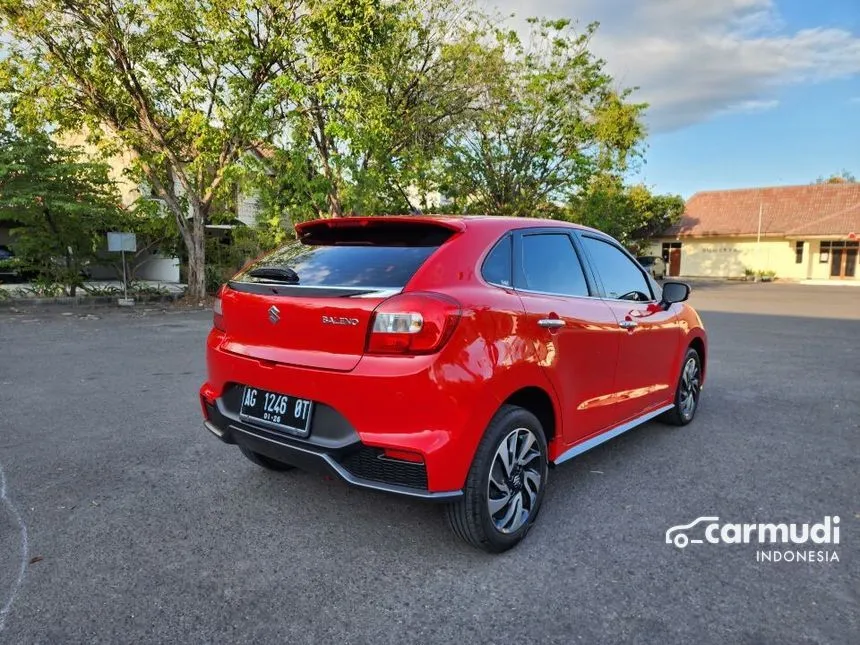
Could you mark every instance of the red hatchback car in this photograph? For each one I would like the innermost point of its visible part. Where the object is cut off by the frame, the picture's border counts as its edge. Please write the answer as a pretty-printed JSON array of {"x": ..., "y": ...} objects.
[{"x": 447, "y": 358}]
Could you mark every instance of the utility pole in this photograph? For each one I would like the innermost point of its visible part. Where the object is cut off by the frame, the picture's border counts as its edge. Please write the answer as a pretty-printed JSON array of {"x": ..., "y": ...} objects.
[{"x": 758, "y": 236}]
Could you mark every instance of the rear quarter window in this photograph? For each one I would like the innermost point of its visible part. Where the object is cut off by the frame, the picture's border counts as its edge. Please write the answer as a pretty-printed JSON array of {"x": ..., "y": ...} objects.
[{"x": 498, "y": 266}]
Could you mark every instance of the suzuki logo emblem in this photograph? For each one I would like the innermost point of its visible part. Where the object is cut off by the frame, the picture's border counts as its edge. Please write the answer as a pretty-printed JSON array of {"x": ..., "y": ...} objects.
[{"x": 274, "y": 315}]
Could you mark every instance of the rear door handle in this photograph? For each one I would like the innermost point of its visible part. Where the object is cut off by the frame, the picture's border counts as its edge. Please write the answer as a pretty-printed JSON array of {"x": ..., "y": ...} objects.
[
  {"x": 628, "y": 324},
  {"x": 551, "y": 323}
]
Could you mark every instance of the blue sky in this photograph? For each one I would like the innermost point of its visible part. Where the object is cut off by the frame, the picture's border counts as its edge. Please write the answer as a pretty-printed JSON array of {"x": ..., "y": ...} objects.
[{"x": 742, "y": 92}]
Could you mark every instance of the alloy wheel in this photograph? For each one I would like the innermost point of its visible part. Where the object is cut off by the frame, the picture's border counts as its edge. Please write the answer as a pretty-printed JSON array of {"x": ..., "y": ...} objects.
[
  {"x": 515, "y": 480},
  {"x": 689, "y": 388}
]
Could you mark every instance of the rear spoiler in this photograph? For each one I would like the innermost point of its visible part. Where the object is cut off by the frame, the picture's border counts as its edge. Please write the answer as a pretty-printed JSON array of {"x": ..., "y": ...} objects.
[{"x": 320, "y": 226}]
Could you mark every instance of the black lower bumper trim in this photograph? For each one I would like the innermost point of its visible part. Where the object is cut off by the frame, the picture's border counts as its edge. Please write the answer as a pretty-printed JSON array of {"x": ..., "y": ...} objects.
[{"x": 313, "y": 459}]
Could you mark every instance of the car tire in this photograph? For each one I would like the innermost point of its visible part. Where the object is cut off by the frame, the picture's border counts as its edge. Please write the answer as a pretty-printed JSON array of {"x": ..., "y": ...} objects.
[
  {"x": 265, "y": 462},
  {"x": 687, "y": 392},
  {"x": 489, "y": 516}
]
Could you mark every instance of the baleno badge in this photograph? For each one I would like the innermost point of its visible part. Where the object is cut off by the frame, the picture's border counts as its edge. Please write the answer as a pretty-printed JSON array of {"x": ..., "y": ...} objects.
[{"x": 330, "y": 320}]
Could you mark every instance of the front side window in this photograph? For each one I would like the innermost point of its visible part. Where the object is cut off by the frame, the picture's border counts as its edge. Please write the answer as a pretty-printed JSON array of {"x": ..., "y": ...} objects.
[
  {"x": 622, "y": 278},
  {"x": 549, "y": 264}
]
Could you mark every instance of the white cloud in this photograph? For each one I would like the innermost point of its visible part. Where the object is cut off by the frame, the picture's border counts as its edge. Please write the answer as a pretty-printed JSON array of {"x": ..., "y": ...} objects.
[
  {"x": 750, "y": 107},
  {"x": 697, "y": 59}
]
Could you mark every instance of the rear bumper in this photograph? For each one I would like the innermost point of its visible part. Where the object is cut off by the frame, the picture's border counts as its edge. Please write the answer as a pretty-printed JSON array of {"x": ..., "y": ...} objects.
[
  {"x": 426, "y": 405},
  {"x": 335, "y": 450}
]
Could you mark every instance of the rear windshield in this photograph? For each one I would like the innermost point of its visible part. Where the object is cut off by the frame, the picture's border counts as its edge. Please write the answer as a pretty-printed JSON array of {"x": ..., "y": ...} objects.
[{"x": 384, "y": 256}]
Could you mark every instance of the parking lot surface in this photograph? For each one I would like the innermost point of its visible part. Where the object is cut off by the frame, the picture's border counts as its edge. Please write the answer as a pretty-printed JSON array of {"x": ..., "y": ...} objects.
[{"x": 143, "y": 528}]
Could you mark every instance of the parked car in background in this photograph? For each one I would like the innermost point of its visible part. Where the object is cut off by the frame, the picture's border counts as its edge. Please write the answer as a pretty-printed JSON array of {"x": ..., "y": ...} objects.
[
  {"x": 451, "y": 359},
  {"x": 9, "y": 271},
  {"x": 654, "y": 265}
]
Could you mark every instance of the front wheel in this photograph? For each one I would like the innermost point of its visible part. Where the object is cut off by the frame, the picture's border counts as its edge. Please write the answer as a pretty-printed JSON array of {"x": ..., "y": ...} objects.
[
  {"x": 688, "y": 391},
  {"x": 505, "y": 485}
]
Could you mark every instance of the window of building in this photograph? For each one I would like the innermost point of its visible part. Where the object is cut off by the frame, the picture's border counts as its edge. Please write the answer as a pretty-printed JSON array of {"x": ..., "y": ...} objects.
[
  {"x": 798, "y": 252},
  {"x": 824, "y": 253}
]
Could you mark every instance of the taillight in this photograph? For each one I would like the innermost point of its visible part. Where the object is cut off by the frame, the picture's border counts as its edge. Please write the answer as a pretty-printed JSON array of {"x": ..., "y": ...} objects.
[
  {"x": 412, "y": 323},
  {"x": 218, "y": 313}
]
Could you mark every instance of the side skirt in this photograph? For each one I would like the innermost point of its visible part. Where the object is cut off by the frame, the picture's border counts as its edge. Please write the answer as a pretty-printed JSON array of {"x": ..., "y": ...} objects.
[{"x": 585, "y": 446}]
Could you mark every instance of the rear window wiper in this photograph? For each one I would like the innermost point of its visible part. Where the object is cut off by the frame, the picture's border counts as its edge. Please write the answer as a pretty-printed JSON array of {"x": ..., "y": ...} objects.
[{"x": 279, "y": 274}]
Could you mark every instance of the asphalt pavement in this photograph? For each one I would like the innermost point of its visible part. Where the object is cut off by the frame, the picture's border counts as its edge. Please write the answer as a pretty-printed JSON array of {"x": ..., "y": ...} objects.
[{"x": 140, "y": 527}]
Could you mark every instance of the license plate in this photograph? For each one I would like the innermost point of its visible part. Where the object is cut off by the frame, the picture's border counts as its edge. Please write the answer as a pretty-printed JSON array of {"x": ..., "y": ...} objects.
[{"x": 277, "y": 411}]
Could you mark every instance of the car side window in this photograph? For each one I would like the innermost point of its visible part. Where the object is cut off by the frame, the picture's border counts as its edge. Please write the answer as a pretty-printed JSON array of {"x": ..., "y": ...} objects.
[
  {"x": 549, "y": 264},
  {"x": 497, "y": 266},
  {"x": 622, "y": 278}
]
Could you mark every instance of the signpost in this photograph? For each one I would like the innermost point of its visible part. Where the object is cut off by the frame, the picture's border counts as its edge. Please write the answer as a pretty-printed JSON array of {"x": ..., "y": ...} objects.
[{"x": 122, "y": 242}]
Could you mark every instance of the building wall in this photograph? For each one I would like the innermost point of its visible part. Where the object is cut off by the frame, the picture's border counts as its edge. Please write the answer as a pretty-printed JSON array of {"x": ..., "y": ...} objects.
[
  {"x": 129, "y": 191},
  {"x": 247, "y": 207},
  {"x": 729, "y": 257}
]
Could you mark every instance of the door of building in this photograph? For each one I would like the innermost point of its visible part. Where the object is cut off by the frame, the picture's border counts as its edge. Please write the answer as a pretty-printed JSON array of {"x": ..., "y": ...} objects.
[
  {"x": 674, "y": 261},
  {"x": 843, "y": 259},
  {"x": 672, "y": 257}
]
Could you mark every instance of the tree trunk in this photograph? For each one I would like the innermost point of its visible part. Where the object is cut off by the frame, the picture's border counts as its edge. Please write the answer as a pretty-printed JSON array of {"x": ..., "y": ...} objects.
[
  {"x": 334, "y": 204},
  {"x": 195, "y": 242}
]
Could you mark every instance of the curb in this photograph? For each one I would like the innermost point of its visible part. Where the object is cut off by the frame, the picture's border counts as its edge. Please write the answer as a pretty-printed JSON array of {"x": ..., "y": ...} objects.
[{"x": 83, "y": 301}]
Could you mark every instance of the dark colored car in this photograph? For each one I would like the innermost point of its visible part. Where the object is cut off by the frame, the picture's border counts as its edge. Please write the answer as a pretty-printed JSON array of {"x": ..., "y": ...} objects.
[
  {"x": 8, "y": 271},
  {"x": 654, "y": 265},
  {"x": 447, "y": 359}
]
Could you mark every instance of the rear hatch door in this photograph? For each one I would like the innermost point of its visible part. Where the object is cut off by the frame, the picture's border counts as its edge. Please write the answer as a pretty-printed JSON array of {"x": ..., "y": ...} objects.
[{"x": 310, "y": 303}]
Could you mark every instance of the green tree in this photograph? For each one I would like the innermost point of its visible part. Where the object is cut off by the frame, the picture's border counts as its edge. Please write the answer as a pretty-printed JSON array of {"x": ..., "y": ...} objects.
[
  {"x": 379, "y": 86},
  {"x": 844, "y": 177},
  {"x": 550, "y": 118},
  {"x": 631, "y": 214},
  {"x": 64, "y": 205},
  {"x": 186, "y": 85},
  {"x": 155, "y": 233}
]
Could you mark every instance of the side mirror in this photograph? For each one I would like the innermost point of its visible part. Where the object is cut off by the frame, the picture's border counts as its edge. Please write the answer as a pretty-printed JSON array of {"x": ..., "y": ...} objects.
[{"x": 675, "y": 292}]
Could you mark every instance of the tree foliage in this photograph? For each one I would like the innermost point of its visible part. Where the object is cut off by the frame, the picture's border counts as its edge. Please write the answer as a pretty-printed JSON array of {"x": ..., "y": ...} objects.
[
  {"x": 369, "y": 106},
  {"x": 549, "y": 119},
  {"x": 186, "y": 85},
  {"x": 844, "y": 177},
  {"x": 631, "y": 214},
  {"x": 64, "y": 206},
  {"x": 378, "y": 88}
]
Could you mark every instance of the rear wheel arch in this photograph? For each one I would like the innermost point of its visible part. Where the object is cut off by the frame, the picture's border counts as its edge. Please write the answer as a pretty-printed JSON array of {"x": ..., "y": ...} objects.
[{"x": 539, "y": 402}]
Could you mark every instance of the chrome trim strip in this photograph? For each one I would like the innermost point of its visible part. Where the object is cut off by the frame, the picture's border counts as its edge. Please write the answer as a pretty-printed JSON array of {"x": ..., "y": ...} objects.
[
  {"x": 351, "y": 479},
  {"x": 312, "y": 286},
  {"x": 558, "y": 295},
  {"x": 610, "y": 434},
  {"x": 381, "y": 293},
  {"x": 563, "y": 295}
]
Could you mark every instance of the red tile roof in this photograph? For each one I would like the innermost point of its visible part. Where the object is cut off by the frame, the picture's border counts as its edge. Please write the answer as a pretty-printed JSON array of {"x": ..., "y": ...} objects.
[{"x": 813, "y": 210}]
